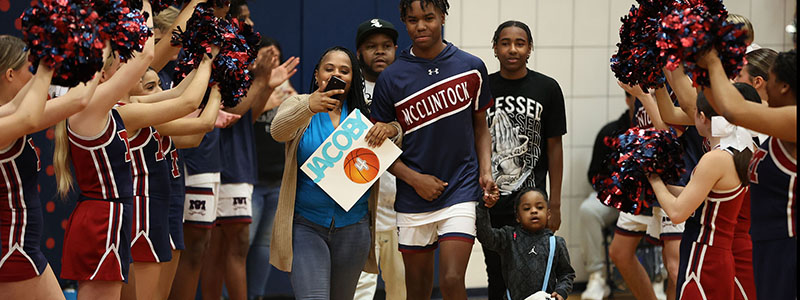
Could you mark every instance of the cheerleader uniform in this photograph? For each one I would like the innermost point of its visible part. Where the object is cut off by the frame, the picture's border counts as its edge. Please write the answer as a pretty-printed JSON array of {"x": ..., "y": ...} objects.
[
  {"x": 711, "y": 272},
  {"x": 773, "y": 174},
  {"x": 97, "y": 239},
  {"x": 745, "y": 287},
  {"x": 150, "y": 234},
  {"x": 20, "y": 212},
  {"x": 177, "y": 193}
]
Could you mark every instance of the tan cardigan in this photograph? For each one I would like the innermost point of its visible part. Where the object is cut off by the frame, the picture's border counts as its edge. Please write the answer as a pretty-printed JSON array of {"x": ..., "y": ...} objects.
[{"x": 289, "y": 124}]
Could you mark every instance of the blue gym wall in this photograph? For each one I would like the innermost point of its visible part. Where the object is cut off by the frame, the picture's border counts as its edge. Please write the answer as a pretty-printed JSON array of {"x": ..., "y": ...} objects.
[{"x": 305, "y": 28}]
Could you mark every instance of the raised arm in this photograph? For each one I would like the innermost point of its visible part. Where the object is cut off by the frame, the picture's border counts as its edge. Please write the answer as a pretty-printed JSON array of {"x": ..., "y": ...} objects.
[
  {"x": 490, "y": 237},
  {"x": 297, "y": 111},
  {"x": 708, "y": 171},
  {"x": 174, "y": 92},
  {"x": 648, "y": 103},
  {"x": 199, "y": 125},
  {"x": 780, "y": 122},
  {"x": 139, "y": 115},
  {"x": 29, "y": 112},
  {"x": 74, "y": 101},
  {"x": 277, "y": 76},
  {"x": 11, "y": 106},
  {"x": 92, "y": 119},
  {"x": 682, "y": 87},
  {"x": 669, "y": 113},
  {"x": 164, "y": 49}
]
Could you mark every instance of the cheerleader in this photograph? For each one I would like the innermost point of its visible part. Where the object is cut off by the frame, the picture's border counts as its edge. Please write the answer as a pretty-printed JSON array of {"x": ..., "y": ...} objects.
[
  {"x": 719, "y": 182},
  {"x": 773, "y": 169},
  {"x": 24, "y": 271},
  {"x": 694, "y": 147},
  {"x": 97, "y": 241},
  {"x": 150, "y": 240},
  {"x": 164, "y": 174}
]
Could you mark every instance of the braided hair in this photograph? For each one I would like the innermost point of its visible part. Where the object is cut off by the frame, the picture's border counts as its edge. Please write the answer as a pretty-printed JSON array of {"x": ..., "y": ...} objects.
[
  {"x": 355, "y": 97},
  {"x": 405, "y": 5}
]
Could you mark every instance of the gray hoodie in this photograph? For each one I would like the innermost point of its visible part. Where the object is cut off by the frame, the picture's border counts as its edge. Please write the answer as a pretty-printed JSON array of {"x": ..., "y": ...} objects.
[{"x": 523, "y": 256}]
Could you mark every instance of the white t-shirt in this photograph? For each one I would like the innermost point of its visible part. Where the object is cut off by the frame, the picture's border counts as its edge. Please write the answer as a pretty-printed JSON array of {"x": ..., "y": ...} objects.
[{"x": 386, "y": 216}]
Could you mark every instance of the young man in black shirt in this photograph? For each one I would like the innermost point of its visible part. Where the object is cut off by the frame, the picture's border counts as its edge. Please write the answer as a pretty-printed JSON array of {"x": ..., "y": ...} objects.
[{"x": 526, "y": 122}]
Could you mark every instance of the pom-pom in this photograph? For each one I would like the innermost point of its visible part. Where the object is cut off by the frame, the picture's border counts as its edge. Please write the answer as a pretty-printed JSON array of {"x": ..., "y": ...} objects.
[
  {"x": 124, "y": 27},
  {"x": 638, "y": 152},
  {"x": 62, "y": 35},
  {"x": 692, "y": 29},
  {"x": 637, "y": 59},
  {"x": 230, "y": 66},
  {"x": 237, "y": 52}
]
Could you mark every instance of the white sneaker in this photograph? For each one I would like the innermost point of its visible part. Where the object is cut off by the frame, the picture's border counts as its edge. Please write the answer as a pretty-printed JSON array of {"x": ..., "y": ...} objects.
[
  {"x": 658, "y": 288},
  {"x": 596, "y": 288}
]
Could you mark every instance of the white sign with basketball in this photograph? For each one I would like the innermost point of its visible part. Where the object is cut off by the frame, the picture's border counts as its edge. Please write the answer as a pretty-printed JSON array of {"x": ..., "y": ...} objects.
[{"x": 344, "y": 166}]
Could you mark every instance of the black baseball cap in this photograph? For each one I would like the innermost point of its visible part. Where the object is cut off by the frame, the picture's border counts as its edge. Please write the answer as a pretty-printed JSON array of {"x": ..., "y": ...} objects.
[{"x": 375, "y": 26}]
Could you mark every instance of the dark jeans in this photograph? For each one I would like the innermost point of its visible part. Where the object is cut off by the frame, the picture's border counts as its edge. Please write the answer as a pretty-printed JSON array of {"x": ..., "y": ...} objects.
[
  {"x": 494, "y": 270},
  {"x": 265, "y": 202},
  {"x": 327, "y": 261}
]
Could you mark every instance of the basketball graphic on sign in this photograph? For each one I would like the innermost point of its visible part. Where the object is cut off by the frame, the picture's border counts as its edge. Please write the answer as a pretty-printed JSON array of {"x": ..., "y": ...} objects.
[{"x": 361, "y": 165}]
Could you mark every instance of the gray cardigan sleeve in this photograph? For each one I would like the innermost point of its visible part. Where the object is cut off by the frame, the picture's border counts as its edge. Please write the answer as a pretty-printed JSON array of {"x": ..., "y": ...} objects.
[{"x": 293, "y": 114}]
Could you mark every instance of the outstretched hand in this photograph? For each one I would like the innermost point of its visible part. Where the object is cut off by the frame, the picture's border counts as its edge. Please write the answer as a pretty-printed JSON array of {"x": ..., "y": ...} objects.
[
  {"x": 225, "y": 119},
  {"x": 708, "y": 58},
  {"x": 283, "y": 72},
  {"x": 634, "y": 90}
]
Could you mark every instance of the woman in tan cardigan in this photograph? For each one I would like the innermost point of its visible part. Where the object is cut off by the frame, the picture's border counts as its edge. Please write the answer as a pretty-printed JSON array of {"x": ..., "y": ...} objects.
[{"x": 331, "y": 245}]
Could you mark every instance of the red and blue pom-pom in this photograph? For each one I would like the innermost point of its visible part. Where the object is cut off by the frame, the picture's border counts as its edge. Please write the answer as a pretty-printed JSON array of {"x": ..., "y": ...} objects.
[
  {"x": 638, "y": 152},
  {"x": 637, "y": 60},
  {"x": 124, "y": 27},
  {"x": 692, "y": 29},
  {"x": 63, "y": 36},
  {"x": 229, "y": 71}
]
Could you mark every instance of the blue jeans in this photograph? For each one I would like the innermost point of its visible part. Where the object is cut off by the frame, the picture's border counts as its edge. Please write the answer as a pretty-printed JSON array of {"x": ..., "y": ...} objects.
[
  {"x": 265, "y": 202},
  {"x": 328, "y": 261}
]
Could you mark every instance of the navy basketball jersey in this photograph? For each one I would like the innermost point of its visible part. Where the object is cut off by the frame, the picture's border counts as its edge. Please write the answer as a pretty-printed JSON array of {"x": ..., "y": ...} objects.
[
  {"x": 237, "y": 141},
  {"x": 773, "y": 175},
  {"x": 103, "y": 163},
  {"x": 149, "y": 163},
  {"x": 20, "y": 212},
  {"x": 206, "y": 157},
  {"x": 434, "y": 102}
]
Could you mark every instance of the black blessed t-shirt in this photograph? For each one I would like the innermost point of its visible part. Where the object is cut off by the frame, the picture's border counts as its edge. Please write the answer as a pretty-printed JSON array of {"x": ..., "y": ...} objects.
[{"x": 525, "y": 113}]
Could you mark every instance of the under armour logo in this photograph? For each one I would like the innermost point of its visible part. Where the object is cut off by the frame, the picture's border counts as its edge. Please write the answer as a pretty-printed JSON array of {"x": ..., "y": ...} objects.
[
  {"x": 533, "y": 250},
  {"x": 361, "y": 164},
  {"x": 376, "y": 23},
  {"x": 433, "y": 71}
]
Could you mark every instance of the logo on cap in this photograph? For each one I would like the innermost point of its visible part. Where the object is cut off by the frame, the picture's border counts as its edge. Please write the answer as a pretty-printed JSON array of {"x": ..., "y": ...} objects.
[{"x": 376, "y": 23}]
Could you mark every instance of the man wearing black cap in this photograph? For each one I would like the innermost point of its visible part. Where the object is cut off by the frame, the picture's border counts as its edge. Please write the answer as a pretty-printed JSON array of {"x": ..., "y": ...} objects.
[{"x": 376, "y": 43}]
